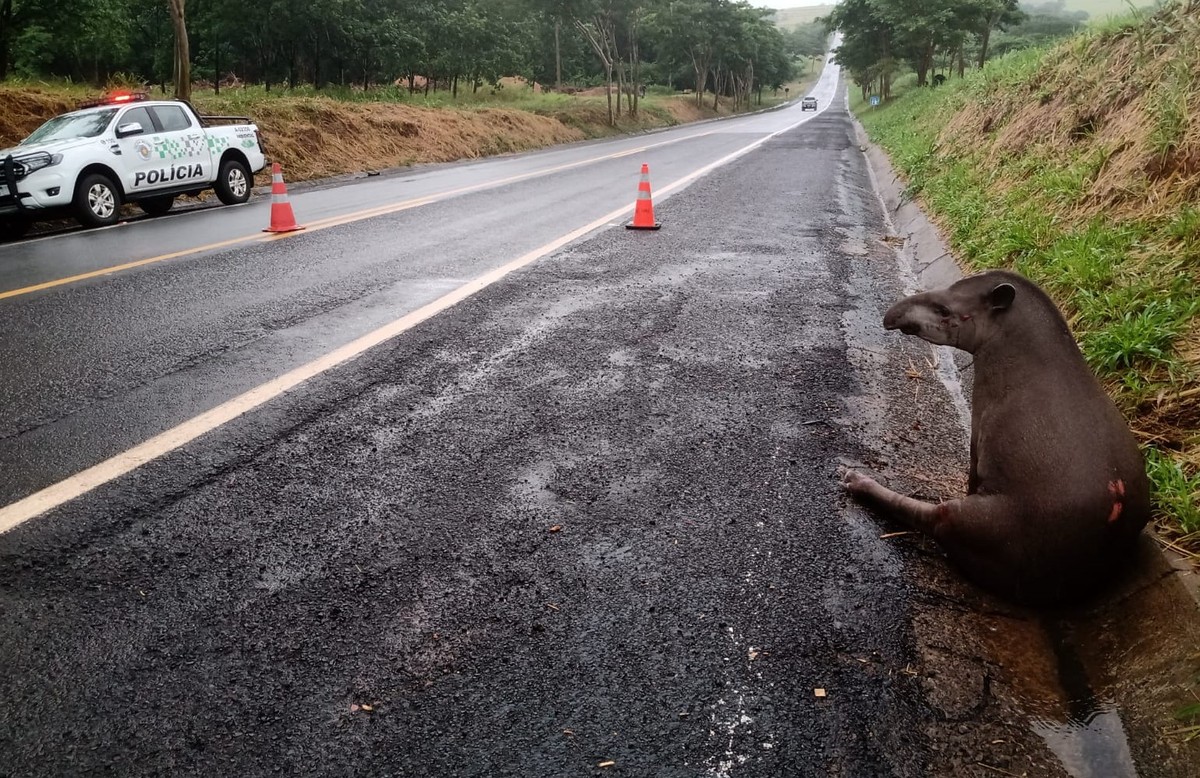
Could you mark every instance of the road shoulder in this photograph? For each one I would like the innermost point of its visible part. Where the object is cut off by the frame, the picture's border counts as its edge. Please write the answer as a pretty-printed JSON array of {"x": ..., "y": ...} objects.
[{"x": 1133, "y": 650}]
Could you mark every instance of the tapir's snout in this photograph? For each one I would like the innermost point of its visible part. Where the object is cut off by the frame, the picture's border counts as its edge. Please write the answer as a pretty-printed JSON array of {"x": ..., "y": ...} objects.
[
  {"x": 914, "y": 316},
  {"x": 929, "y": 316},
  {"x": 897, "y": 318}
]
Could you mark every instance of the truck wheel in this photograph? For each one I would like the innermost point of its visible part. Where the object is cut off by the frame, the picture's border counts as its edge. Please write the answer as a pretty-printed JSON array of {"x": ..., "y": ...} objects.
[
  {"x": 233, "y": 182},
  {"x": 157, "y": 206},
  {"x": 13, "y": 229},
  {"x": 97, "y": 201}
]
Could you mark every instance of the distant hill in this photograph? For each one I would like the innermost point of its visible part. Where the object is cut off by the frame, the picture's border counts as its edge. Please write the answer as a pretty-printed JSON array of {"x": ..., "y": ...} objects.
[
  {"x": 1097, "y": 10},
  {"x": 794, "y": 17}
]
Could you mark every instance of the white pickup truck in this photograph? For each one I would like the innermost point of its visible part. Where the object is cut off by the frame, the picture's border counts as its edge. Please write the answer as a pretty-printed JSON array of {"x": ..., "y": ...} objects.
[{"x": 124, "y": 149}]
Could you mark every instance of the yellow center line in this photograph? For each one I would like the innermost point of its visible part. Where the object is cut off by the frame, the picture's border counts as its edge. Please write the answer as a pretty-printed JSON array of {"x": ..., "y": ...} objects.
[
  {"x": 334, "y": 221},
  {"x": 104, "y": 271}
]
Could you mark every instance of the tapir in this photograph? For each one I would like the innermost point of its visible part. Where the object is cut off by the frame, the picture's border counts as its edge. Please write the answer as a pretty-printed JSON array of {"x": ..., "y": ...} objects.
[{"x": 1057, "y": 490}]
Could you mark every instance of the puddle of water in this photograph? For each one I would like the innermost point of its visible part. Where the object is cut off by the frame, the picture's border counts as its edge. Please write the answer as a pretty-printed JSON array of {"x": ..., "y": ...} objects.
[
  {"x": 1091, "y": 746},
  {"x": 1089, "y": 740}
]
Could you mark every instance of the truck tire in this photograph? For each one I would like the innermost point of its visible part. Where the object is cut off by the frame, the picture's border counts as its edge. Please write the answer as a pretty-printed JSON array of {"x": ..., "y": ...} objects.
[
  {"x": 13, "y": 228},
  {"x": 157, "y": 206},
  {"x": 97, "y": 201},
  {"x": 233, "y": 182}
]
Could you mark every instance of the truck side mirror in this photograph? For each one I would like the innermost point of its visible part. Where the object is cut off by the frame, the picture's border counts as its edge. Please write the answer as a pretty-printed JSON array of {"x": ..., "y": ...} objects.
[{"x": 132, "y": 128}]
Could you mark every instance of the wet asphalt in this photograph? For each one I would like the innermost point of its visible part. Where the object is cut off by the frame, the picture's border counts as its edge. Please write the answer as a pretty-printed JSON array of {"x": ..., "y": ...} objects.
[{"x": 586, "y": 522}]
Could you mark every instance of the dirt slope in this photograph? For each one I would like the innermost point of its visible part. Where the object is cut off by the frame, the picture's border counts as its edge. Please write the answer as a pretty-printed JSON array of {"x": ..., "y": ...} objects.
[{"x": 316, "y": 137}]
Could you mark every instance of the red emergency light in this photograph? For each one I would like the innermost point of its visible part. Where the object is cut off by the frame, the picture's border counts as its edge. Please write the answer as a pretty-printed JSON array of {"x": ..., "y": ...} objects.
[{"x": 116, "y": 98}]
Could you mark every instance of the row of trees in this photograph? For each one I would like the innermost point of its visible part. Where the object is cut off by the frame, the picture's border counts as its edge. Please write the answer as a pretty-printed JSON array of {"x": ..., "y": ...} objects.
[
  {"x": 879, "y": 37},
  {"x": 883, "y": 37},
  {"x": 727, "y": 47},
  {"x": 1044, "y": 23}
]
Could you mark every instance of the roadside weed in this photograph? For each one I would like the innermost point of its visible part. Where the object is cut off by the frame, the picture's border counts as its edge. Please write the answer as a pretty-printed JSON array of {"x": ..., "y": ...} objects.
[
  {"x": 1176, "y": 492},
  {"x": 1184, "y": 226},
  {"x": 1170, "y": 109},
  {"x": 1142, "y": 336},
  {"x": 1087, "y": 258}
]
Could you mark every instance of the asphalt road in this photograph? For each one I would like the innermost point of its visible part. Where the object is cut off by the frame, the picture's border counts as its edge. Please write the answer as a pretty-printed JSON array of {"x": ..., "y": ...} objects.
[
  {"x": 99, "y": 364},
  {"x": 585, "y": 521}
]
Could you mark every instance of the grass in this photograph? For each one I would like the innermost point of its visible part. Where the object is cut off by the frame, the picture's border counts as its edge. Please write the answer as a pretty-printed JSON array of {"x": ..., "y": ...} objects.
[
  {"x": 1177, "y": 492},
  {"x": 1190, "y": 716},
  {"x": 1170, "y": 109},
  {"x": 1077, "y": 166}
]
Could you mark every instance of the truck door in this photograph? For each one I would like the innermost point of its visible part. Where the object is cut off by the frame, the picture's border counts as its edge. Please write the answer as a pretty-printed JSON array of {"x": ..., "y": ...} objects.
[
  {"x": 136, "y": 148},
  {"x": 184, "y": 146}
]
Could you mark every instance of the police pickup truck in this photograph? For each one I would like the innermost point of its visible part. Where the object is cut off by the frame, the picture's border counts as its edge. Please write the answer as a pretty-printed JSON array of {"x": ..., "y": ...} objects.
[{"x": 122, "y": 149}]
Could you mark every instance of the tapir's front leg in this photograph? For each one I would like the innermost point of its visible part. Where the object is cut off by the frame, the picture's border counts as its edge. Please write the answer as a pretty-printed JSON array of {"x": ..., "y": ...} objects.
[
  {"x": 983, "y": 533},
  {"x": 919, "y": 515}
]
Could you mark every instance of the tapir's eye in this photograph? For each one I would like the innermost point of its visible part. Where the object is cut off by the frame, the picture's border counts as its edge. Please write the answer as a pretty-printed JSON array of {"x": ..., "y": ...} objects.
[{"x": 941, "y": 310}]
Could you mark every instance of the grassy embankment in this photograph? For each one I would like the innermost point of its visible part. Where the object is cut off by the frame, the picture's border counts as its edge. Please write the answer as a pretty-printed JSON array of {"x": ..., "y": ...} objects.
[
  {"x": 1079, "y": 166},
  {"x": 338, "y": 131}
]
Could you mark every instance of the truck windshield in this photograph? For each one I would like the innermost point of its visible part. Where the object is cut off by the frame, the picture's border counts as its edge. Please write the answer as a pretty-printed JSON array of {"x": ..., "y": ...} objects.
[{"x": 72, "y": 125}]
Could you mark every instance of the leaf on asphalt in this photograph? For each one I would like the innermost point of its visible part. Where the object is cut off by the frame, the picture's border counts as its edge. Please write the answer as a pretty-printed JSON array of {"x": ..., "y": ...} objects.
[
  {"x": 353, "y": 708},
  {"x": 569, "y": 732},
  {"x": 818, "y": 692},
  {"x": 609, "y": 763},
  {"x": 368, "y": 708},
  {"x": 556, "y": 528}
]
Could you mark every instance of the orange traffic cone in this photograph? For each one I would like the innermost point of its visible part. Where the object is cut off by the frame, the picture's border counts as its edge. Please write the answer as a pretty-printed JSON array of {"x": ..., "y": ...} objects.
[
  {"x": 282, "y": 219},
  {"x": 643, "y": 212}
]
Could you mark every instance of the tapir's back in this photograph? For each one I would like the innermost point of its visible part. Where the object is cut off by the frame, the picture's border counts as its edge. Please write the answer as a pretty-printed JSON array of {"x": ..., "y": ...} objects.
[{"x": 1050, "y": 437}]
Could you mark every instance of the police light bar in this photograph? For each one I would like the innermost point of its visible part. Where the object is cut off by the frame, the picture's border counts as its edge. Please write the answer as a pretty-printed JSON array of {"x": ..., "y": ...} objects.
[{"x": 116, "y": 98}]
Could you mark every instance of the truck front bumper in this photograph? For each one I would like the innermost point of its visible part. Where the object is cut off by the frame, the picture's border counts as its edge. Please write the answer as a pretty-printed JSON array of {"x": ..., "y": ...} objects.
[{"x": 41, "y": 189}]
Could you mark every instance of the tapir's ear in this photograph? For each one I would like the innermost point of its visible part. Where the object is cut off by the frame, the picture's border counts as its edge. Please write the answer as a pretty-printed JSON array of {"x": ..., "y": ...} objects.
[{"x": 1001, "y": 297}]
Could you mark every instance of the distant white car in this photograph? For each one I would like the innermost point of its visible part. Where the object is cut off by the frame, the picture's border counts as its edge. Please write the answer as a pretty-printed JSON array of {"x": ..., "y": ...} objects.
[
  {"x": 124, "y": 148},
  {"x": 808, "y": 104}
]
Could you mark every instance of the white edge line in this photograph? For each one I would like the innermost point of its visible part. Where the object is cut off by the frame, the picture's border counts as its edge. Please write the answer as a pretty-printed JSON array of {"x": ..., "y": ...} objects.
[{"x": 51, "y": 497}]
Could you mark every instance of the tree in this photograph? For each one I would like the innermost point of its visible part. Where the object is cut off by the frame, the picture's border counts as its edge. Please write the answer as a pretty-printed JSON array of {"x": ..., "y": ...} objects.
[
  {"x": 560, "y": 12},
  {"x": 599, "y": 27},
  {"x": 688, "y": 32},
  {"x": 183, "y": 67},
  {"x": 8, "y": 19},
  {"x": 991, "y": 15},
  {"x": 723, "y": 45},
  {"x": 866, "y": 47},
  {"x": 920, "y": 28}
]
